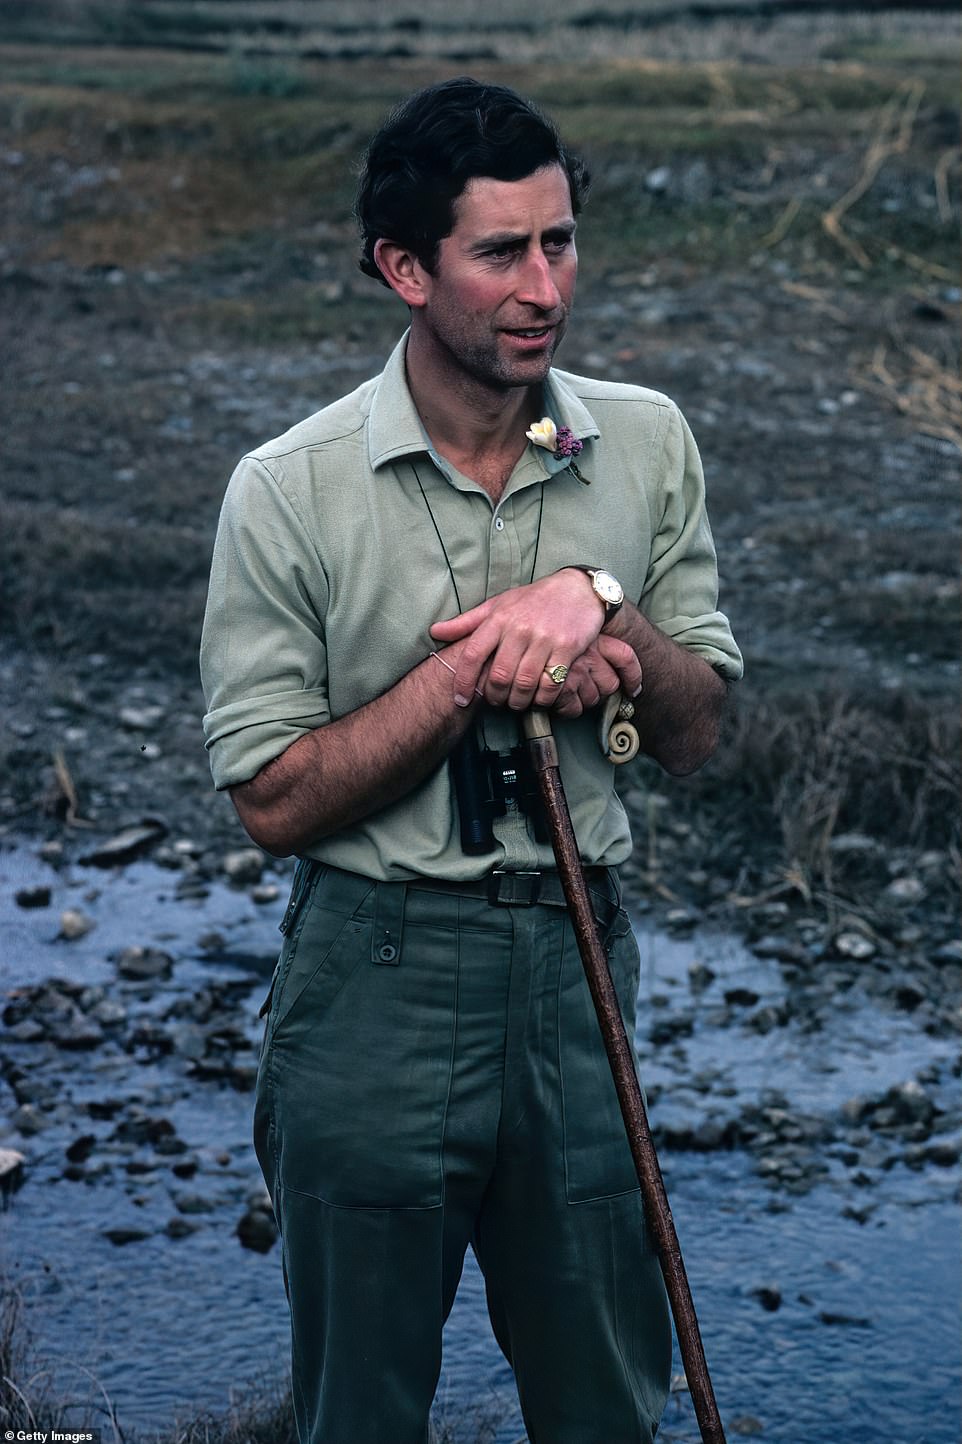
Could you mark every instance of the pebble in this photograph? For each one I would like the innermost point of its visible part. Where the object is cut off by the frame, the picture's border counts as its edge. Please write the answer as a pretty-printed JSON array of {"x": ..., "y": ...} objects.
[
  {"x": 127, "y": 845},
  {"x": 257, "y": 1229},
  {"x": 783, "y": 950},
  {"x": 11, "y": 1169},
  {"x": 78, "y": 1033},
  {"x": 140, "y": 719},
  {"x": 32, "y": 897},
  {"x": 144, "y": 964},
  {"x": 265, "y": 892},
  {"x": 853, "y": 945},
  {"x": 700, "y": 976},
  {"x": 844, "y": 1320},
  {"x": 121, "y": 1236},
  {"x": 244, "y": 867},
  {"x": 74, "y": 924},
  {"x": 178, "y": 1227},
  {"x": 905, "y": 890},
  {"x": 193, "y": 1203}
]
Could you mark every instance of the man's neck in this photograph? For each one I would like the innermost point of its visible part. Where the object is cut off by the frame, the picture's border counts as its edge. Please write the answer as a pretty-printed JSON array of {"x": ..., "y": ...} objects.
[{"x": 479, "y": 429}]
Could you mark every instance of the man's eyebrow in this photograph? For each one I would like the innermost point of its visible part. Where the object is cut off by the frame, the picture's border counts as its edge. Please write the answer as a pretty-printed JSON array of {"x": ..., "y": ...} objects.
[{"x": 564, "y": 230}]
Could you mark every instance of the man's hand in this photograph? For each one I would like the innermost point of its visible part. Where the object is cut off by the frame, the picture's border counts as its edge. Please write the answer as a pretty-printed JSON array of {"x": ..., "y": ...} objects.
[
  {"x": 521, "y": 632},
  {"x": 606, "y": 667}
]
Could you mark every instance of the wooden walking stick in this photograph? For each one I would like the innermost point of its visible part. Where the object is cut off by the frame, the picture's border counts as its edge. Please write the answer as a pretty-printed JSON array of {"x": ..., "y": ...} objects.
[{"x": 621, "y": 1057}]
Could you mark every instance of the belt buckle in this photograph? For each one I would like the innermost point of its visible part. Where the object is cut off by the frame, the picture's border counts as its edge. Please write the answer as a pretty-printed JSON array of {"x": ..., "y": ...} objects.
[{"x": 513, "y": 889}]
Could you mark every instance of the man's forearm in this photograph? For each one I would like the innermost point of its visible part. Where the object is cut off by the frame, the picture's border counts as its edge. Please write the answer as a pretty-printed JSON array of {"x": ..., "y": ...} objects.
[
  {"x": 339, "y": 773},
  {"x": 679, "y": 709}
]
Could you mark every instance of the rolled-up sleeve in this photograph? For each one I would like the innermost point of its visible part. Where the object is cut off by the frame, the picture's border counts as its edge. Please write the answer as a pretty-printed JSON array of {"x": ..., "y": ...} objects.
[
  {"x": 680, "y": 594},
  {"x": 263, "y": 656}
]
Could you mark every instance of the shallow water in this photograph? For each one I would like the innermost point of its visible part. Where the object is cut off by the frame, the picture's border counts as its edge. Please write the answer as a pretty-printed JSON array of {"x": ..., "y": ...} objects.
[{"x": 168, "y": 1327}]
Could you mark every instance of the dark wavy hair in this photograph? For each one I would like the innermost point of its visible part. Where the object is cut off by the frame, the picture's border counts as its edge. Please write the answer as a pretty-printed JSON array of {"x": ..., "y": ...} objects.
[{"x": 432, "y": 145}]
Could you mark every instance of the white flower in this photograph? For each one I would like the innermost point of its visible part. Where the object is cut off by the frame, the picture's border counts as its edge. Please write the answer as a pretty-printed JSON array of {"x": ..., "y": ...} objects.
[{"x": 544, "y": 433}]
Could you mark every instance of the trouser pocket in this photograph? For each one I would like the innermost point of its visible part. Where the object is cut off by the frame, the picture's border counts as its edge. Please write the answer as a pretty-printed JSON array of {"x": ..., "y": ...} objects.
[
  {"x": 598, "y": 1161},
  {"x": 359, "y": 1059}
]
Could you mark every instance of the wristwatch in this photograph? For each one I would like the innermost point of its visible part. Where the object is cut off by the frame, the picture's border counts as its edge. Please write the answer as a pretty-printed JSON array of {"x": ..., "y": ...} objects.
[{"x": 607, "y": 588}]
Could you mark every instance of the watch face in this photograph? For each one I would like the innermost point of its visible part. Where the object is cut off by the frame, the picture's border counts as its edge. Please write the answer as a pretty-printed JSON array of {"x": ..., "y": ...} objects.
[{"x": 608, "y": 588}]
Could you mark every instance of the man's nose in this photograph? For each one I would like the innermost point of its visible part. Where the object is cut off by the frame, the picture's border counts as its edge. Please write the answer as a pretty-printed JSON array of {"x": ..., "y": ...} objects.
[{"x": 537, "y": 285}]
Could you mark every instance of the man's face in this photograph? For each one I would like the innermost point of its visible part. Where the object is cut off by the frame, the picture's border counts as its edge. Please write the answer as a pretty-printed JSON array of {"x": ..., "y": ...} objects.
[{"x": 497, "y": 305}]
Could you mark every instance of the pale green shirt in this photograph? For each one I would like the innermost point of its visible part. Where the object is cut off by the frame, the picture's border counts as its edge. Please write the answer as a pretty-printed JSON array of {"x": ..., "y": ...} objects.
[{"x": 329, "y": 568}]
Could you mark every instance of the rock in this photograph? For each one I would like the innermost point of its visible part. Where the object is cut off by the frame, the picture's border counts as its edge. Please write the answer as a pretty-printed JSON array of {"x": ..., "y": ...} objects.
[
  {"x": 144, "y": 964},
  {"x": 911, "y": 1103},
  {"x": 131, "y": 843},
  {"x": 77, "y": 1033},
  {"x": 257, "y": 1229},
  {"x": 906, "y": 890},
  {"x": 170, "y": 1146},
  {"x": 949, "y": 952},
  {"x": 658, "y": 180},
  {"x": 849, "y": 843},
  {"x": 193, "y": 1203},
  {"x": 853, "y": 945},
  {"x": 30, "y": 1030},
  {"x": 783, "y": 950},
  {"x": 109, "y": 1014},
  {"x": 140, "y": 719},
  {"x": 741, "y": 997},
  {"x": 747, "y": 1424},
  {"x": 265, "y": 892},
  {"x": 32, "y": 897},
  {"x": 769, "y": 1296},
  {"x": 11, "y": 1169},
  {"x": 178, "y": 1227},
  {"x": 766, "y": 1019},
  {"x": 909, "y": 996},
  {"x": 665, "y": 1030},
  {"x": 140, "y": 1127},
  {"x": 244, "y": 867},
  {"x": 700, "y": 976},
  {"x": 680, "y": 919},
  {"x": 185, "y": 1167},
  {"x": 121, "y": 1236},
  {"x": 81, "y": 1148},
  {"x": 844, "y": 1320},
  {"x": 944, "y": 1152}
]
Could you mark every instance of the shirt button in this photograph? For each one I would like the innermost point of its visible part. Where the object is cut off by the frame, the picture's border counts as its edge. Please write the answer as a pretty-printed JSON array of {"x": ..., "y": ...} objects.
[{"x": 499, "y": 523}]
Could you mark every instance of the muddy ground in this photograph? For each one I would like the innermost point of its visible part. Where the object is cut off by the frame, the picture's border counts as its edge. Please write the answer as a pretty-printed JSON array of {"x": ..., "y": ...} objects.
[{"x": 771, "y": 243}]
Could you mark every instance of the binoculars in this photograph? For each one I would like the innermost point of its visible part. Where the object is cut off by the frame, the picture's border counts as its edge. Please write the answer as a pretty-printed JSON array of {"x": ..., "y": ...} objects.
[{"x": 489, "y": 784}]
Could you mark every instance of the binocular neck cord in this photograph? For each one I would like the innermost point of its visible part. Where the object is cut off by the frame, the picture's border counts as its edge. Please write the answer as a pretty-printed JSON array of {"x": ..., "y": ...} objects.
[{"x": 444, "y": 550}]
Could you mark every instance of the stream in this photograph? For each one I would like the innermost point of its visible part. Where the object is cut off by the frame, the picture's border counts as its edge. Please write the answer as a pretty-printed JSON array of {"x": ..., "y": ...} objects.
[{"x": 809, "y": 1138}]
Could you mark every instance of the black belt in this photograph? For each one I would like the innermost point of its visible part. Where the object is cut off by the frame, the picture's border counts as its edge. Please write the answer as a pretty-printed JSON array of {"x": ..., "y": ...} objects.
[{"x": 526, "y": 889}]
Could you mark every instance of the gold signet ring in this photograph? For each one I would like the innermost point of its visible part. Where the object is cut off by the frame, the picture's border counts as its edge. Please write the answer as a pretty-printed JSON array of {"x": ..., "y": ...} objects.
[{"x": 557, "y": 674}]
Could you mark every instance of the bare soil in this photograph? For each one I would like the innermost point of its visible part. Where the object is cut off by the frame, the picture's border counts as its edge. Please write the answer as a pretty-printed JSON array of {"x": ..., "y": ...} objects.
[{"x": 771, "y": 240}]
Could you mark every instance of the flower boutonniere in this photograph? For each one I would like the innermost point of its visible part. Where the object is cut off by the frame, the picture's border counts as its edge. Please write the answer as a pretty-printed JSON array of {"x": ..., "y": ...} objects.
[{"x": 560, "y": 441}]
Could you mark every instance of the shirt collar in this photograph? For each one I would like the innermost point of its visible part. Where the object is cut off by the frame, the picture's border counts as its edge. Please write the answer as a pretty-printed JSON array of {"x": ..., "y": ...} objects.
[{"x": 395, "y": 428}]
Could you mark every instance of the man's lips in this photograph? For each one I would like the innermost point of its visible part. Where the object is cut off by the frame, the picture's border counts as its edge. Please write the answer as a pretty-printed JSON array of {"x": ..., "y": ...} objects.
[{"x": 530, "y": 335}]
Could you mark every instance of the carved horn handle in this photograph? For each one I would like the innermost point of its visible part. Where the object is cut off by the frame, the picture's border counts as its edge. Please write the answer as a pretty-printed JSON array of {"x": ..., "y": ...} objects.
[{"x": 618, "y": 737}]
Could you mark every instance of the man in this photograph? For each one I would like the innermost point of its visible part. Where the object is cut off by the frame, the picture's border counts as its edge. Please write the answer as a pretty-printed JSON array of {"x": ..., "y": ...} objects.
[{"x": 394, "y": 581}]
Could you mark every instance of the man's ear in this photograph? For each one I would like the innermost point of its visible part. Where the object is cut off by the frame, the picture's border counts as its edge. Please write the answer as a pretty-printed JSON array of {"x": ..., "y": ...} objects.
[{"x": 402, "y": 270}]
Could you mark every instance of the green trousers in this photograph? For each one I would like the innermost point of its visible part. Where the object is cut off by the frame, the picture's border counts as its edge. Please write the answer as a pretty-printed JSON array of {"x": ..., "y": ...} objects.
[{"x": 432, "y": 1075}]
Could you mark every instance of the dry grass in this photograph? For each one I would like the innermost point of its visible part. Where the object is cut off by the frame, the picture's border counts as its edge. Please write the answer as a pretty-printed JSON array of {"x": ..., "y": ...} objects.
[{"x": 797, "y": 771}]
